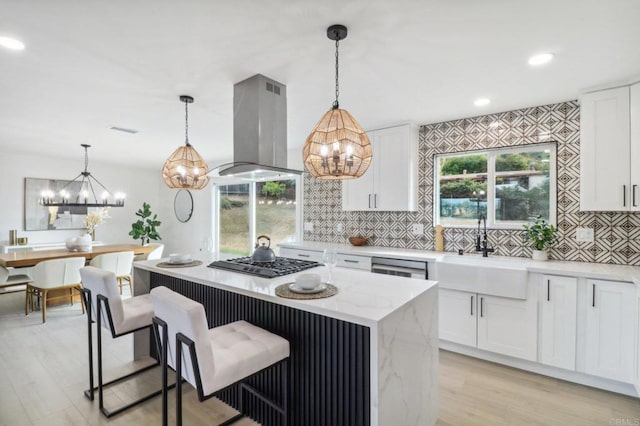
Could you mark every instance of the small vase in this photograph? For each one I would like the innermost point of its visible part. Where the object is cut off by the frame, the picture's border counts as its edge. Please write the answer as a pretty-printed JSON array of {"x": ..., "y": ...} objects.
[{"x": 540, "y": 255}]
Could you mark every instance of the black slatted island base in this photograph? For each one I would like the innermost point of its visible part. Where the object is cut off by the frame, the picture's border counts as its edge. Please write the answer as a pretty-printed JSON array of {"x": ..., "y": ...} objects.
[{"x": 344, "y": 369}]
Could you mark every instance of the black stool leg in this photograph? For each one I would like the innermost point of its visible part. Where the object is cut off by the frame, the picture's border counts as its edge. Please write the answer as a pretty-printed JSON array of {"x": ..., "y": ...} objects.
[
  {"x": 285, "y": 394},
  {"x": 178, "y": 383},
  {"x": 86, "y": 296}
]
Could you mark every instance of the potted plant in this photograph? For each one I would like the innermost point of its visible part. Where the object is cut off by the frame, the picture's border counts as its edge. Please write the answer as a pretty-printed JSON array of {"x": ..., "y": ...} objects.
[
  {"x": 542, "y": 235},
  {"x": 144, "y": 228}
]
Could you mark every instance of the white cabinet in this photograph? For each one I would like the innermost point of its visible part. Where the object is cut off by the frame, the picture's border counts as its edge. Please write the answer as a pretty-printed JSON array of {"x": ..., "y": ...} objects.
[
  {"x": 610, "y": 340},
  {"x": 507, "y": 326},
  {"x": 390, "y": 184},
  {"x": 354, "y": 261},
  {"x": 457, "y": 311},
  {"x": 610, "y": 149},
  {"x": 497, "y": 324},
  {"x": 304, "y": 254},
  {"x": 558, "y": 304}
]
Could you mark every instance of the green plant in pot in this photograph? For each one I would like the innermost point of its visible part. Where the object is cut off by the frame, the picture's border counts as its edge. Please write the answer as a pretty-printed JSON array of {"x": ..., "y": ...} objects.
[
  {"x": 144, "y": 229},
  {"x": 542, "y": 236}
]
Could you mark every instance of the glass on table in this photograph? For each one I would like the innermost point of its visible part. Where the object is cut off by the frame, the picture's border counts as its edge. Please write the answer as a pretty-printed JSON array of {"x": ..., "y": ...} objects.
[{"x": 330, "y": 259}]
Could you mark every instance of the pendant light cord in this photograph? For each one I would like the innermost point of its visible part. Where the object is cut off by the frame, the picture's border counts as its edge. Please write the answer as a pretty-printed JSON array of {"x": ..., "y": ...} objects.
[
  {"x": 186, "y": 123},
  {"x": 336, "y": 105}
]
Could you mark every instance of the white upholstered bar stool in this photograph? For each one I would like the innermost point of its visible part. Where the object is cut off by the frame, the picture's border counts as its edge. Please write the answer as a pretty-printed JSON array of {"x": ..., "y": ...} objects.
[
  {"x": 212, "y": 360},
  {"x": 56, "y": 274},
  {"x": 119, "y": 263},
  {"x": 120, "y": 316}
]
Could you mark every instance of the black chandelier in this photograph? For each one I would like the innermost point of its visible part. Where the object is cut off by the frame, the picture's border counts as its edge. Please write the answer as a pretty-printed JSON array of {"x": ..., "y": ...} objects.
[{"x": 84, "y": 187}]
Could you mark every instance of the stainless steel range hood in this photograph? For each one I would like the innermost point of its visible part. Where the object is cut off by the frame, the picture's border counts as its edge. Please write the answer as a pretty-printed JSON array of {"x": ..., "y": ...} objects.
[{"x": 259, "y": 131}]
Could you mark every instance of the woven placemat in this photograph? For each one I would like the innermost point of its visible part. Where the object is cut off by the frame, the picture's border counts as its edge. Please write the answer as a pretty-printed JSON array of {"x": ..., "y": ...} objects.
[
  {"x": 179, "y": 265},
  {"x": 283, "y": 291}
]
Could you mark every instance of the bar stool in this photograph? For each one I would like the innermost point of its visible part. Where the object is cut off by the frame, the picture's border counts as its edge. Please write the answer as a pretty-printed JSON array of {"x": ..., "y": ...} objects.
[
  {"x": 120, "y": 316},
  {"x": 215, "y": 359}
]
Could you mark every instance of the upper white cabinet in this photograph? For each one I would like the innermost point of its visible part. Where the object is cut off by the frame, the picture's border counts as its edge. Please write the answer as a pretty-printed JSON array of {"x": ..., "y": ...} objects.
[
  {"x": 558, "y": 303},
  {"x": 609, "y": 146},
  {"x": 391, "y": 183},
  {"x": 609, "y": 332}
]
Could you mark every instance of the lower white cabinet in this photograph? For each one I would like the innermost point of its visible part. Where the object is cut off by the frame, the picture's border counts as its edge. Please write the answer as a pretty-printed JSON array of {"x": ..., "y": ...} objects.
[
  {"x": 497, "y": 324},
  {"x": 457, "y": 320},
  {"x": 314, "y": 255},
  {"x": 609, "y": 330},
  {"x": 558, "y": 304}
]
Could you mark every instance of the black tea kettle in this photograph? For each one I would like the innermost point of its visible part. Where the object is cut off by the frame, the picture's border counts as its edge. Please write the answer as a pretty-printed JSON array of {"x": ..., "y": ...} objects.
[{"x": 263, "y": 253}]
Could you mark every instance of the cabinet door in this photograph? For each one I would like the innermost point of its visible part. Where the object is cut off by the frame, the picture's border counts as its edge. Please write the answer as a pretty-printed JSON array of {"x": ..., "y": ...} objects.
[
  {"x": 457, "y": 316},
  {"x": 610, "y": 325},
  {"x": 558, "y": 306},
  {"x": 604, "y": 151},
  {"x": 396, "y": 173},
  {"x": 635, "y": 147},
  {"x": 358, "y": 194},
  {"x": 507, "y": 326}
]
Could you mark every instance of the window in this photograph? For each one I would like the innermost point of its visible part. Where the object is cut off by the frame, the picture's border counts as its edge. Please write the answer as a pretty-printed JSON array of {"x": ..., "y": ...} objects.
[
  {"x": 248, "y": 210},
  {"x": 508, "y": 186}
]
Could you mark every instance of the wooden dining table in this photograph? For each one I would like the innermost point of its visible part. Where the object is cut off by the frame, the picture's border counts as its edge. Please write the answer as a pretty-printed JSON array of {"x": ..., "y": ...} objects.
[{"x": 30, "y": 258}]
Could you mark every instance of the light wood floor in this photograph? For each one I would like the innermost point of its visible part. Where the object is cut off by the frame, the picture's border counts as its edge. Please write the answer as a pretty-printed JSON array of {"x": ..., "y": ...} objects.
[{"x": 43, "y": 372}]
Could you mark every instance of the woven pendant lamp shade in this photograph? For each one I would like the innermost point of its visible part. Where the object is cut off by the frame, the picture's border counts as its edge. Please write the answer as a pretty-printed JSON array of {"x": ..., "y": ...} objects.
[
  {"x": 337, "y": 148},
  {"x": 185, "y": 169}
]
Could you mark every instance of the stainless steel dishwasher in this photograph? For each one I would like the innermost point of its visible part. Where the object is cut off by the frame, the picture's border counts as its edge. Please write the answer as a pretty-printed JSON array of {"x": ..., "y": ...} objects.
[{"x": 403, "y": 268}]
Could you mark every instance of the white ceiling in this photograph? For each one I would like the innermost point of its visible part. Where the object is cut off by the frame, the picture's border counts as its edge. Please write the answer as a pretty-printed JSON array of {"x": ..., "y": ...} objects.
[{"x": 89, "y": 65}]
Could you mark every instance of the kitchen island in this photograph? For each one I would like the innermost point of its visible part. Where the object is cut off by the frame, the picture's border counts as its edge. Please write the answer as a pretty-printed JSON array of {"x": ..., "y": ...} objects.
[{"x": 366, "y": 356}]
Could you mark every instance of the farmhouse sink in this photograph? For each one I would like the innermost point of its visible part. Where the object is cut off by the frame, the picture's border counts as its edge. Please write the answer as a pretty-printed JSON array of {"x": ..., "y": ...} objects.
[{"x": 496, "y": 277}]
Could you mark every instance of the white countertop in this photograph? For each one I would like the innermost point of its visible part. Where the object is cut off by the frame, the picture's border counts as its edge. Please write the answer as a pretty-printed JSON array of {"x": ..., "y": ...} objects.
[
  {"x": 363, "y": 298},
  {"x": 577, "y": 269}
]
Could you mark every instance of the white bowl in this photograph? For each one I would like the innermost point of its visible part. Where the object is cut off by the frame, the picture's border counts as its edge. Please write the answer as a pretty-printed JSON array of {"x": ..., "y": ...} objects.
[
  {"x": 308, "y": 281},
  {"x": 179, "y": 258}
]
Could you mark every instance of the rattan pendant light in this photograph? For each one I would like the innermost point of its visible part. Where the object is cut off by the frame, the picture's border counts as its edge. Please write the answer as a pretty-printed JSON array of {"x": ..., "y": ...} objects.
[
  {"x": 185, "y": 168},
  {"x": 337, "y": 148}
]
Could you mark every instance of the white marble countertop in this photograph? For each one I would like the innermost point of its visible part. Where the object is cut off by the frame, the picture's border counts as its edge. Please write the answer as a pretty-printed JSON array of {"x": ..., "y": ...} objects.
[
  {"x": 363, "y": 298},
  {"x": 577, "y": 269}
]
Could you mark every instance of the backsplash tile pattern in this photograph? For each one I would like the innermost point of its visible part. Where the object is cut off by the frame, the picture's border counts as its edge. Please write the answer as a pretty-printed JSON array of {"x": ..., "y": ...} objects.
[{"x": 617, "y": 235}]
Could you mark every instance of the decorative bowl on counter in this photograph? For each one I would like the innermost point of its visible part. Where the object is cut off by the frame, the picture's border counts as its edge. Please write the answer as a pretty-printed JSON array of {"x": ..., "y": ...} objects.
[
  {"x": 358, "y": 241},
  {"x": 82, "y": 243}
]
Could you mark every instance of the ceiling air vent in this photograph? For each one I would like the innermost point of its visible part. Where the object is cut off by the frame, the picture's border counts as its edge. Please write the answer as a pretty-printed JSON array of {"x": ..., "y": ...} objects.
[{"x": 124, "y": 129}]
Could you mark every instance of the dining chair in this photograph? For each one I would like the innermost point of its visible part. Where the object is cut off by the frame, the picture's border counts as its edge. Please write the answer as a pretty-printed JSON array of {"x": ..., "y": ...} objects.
[
  {"x": 107, "y": 308},
  {"x": 156, "y": 253},
  {"x": 215, "y": 359},
  {"x": 50, "y": 275},
  {"x": 120, "y": 263},
  {"x": 12, "y": 280}
]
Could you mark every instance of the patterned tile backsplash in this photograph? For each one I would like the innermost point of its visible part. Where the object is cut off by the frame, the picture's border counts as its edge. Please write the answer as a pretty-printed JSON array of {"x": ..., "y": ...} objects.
[{"x": 616, "y": 235}]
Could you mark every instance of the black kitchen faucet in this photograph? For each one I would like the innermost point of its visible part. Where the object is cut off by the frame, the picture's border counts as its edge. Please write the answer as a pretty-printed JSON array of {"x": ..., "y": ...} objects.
[{"x": 481, "y": 244}]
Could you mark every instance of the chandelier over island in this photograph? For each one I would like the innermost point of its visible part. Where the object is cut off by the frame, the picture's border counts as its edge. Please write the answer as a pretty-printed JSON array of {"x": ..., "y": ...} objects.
[
  {"x": 185, "y": 168},
  {"x": 84, "y": 190},
  {"x": 338, "y": 147}
]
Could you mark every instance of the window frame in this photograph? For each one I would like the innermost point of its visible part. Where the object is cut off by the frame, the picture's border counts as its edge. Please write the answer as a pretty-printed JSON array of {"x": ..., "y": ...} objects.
[
  {"x": 253, "y": 198},
  {"x": 492, "y": 153}
]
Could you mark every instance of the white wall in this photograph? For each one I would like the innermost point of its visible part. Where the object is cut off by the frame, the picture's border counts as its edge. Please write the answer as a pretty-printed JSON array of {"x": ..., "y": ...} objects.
[{"x": 138, "y": 185}]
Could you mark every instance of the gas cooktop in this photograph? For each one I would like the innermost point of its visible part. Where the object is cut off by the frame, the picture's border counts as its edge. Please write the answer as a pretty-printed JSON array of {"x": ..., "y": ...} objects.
[{"x": 281, "y": 266}]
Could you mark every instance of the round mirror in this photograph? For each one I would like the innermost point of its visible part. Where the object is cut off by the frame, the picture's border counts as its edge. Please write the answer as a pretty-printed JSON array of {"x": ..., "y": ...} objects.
[{"x": 183, "y": 205}]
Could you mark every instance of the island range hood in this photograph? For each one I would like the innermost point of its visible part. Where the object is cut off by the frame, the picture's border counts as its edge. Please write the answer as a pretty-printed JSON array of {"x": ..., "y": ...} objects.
[{"x": 259, "y": 132}]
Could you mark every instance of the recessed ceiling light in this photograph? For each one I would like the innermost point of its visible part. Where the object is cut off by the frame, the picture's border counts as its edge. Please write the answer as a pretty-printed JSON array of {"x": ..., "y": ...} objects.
[
  {"x": 482, "y": 102},
  {"x": 541, "y": 59},
  {"x": 11, "y": 43}
]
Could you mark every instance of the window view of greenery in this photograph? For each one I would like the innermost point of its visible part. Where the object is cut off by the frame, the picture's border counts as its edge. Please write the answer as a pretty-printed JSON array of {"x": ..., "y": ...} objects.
[
  {"x": 275, "y": 214},
  {"x": 521, "y": 182}
]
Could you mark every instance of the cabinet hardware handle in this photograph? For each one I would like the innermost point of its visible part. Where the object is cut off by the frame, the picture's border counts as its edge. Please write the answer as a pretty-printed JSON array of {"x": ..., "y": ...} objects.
[
  {"x": 351, "y": 261},
  {"x": 471, "y": 305},
  {"x": 303, "y": 255},
  {"x": 633, "y": 190},
  {"x": 593, "y": 296},
  {"x": 369, "y": 200},
  {"x": 548, "y": 292},
  {"x": 375, "y": 201},
  {"x": 481, "y": 300},
  {"x": 624, "y": 195}
]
